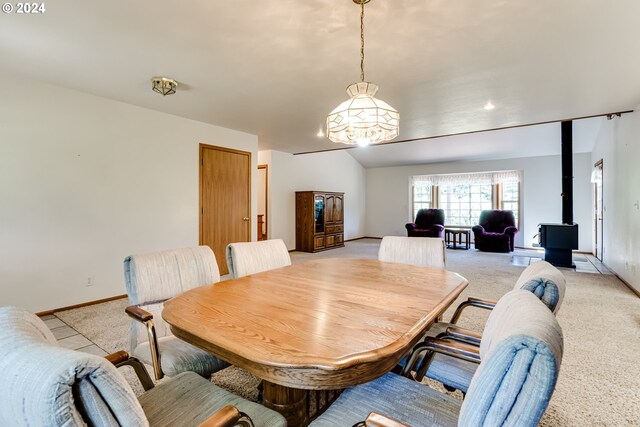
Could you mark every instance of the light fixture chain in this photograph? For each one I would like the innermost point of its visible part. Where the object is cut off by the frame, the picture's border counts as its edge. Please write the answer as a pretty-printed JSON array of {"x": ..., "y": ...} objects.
[{"x": 362, "y": 40}]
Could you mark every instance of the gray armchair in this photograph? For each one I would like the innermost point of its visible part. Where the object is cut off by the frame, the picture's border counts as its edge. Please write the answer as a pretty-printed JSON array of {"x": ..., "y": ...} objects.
[
  {"x": 42, "y": 383},
  {"x": 246, "y": 258},
  {"x": 512, "y": 386},
  {"x": 152, "y": 279},
  {"x": 541, "y": 279},
  {"x": 425, "y": 251}
]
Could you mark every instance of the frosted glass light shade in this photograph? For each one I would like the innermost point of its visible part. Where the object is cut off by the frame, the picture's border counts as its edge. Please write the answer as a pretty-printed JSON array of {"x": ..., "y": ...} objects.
[{"x": 363, "y": 119}]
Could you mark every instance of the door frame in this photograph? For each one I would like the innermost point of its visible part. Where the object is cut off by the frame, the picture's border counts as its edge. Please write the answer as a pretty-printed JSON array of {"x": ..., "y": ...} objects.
[
  {"x": 266, "y": 198},
  {"x": 599, "y": 213},
  {"x": 201, "y": 149}
]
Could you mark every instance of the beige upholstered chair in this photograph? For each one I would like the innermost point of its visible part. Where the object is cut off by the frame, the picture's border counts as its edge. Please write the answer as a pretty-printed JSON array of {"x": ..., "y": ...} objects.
[
  {"x": 246, "y": 258},
  {"x": 152, "y": 279},
  {"x": 44, "y": 384},
  {"x": 426, "y": 251}
]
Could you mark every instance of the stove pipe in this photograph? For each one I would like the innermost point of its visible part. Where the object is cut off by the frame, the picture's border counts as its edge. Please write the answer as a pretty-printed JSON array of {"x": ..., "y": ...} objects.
[{"x": 567, "y": 171}]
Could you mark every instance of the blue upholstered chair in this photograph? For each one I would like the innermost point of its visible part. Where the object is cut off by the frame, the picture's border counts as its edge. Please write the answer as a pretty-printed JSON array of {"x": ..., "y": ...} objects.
[
  {"x": 541, "y": 278},
  {"x": 152, "y": 279},
  {"x": 512, "y": 386},
  {"x": 247, "y": 258},
  {"x": 425, "y": 251},
  {"x": 43, "y": 384}
]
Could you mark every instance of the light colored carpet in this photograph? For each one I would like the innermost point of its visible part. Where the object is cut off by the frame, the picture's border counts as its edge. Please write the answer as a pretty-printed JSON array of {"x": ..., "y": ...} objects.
[{"x": 599, "y": 383}]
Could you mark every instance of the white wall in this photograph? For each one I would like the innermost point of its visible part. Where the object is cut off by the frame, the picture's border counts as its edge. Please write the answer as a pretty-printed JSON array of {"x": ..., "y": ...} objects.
[
  {"x": 86, "y": 181},
  {"x": 618, "y": 144},
  {"x": 388, "y": 197},
  {"x": 330, "y": 171}
]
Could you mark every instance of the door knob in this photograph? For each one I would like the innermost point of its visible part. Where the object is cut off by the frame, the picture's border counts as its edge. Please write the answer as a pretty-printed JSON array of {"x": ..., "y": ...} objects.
[{"x": 246, "y": 218}]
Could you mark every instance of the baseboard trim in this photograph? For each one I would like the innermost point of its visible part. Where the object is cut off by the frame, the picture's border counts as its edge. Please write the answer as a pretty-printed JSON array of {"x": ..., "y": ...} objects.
[
  {"x": 627, "y": 284},
  {"x": 84, "y": 304},
  {"x": 360, "y": 238}
]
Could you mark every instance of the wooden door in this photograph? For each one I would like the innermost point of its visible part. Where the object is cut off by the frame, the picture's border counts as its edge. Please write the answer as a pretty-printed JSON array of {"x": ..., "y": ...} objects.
[
  {"x": 338, "y": 215},
  {"x": 225, "y": 199},
  {"x": 329, "y": 209}
]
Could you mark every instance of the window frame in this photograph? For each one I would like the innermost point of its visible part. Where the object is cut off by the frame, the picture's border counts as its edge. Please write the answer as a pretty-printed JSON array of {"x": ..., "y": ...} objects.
[{"x": 497, "y": 202}]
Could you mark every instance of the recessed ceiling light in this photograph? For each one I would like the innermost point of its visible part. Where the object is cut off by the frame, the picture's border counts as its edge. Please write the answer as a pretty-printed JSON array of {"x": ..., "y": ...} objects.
[
  {"x": 489, "y": 106},
  {"x": 320, "y": 134}
]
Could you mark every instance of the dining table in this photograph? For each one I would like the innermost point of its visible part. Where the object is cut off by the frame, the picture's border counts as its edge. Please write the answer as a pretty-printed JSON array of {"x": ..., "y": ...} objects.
[{"x": 324, "y": 324}]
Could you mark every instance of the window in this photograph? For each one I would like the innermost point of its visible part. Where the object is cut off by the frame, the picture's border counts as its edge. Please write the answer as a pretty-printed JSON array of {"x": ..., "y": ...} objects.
[
  {"x": 509, "y": 196},
  {"x": 463, "y": 203},
  {"x": 464, "y": 196},
  {"x": 421, "y": 197}
]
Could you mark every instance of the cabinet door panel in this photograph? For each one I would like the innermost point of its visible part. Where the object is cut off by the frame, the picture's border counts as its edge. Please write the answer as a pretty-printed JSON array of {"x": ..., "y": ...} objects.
[
  {"x": 329, "y": 209},
  {"x": 338, "y": 210}
]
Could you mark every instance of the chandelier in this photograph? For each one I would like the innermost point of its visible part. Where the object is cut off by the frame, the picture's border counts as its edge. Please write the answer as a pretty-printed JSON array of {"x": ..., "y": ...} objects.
[{"x": 363, "y": 119}]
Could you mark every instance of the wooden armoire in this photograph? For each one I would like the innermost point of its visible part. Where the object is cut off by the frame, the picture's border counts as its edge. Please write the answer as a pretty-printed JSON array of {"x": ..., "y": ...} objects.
[{"x": 319, "y": 220}]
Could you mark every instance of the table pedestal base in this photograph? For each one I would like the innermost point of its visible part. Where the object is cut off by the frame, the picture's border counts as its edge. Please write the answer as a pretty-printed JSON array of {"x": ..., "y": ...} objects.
[{"x": 290, "y": 402}]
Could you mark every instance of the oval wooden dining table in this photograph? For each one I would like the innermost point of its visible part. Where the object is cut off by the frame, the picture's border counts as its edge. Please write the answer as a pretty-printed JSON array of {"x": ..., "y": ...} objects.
[{"x": 325, "y": 324}]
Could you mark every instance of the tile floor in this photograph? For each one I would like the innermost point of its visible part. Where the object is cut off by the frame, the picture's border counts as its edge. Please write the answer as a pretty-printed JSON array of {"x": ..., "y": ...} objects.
[
  {"x": 70, "y": 338},
  {"x": 584, "y": 263}
]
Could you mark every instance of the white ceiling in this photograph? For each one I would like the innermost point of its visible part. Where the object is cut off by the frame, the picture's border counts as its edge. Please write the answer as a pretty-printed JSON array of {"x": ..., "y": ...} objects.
[
  {"x": 275, "y": 68},
  {"x": 541, "y": 140}
]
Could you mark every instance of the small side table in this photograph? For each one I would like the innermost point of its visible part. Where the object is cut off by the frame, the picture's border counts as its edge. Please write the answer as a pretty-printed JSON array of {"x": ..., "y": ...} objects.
[{"x": 453, "y": 237}]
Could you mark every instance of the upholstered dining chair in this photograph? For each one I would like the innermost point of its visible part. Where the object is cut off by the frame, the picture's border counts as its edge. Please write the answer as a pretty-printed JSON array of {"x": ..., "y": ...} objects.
[
  {"x": 425, "y": 251},
  {"x": 246, "y": 258},
  {"x": 515, "y": 380},
  {"x": 541, "y": 279},
  {"x": 153, "y": 278},
  {"x": 43, "y": 384}
]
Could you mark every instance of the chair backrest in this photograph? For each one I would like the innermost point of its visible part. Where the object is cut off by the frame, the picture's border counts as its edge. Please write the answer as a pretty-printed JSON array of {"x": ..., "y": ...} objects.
[
  {"x": 42, "y": 383},
  {"x": 246, "y": 258},
  {"x": 425, "y": 218},
  {"x": 521, "y": 351},
  {"x": 496, "y": 220},
  {"x": 544, "y": 281},
  {"x": 153, "y": 278},
  {"x": 427, "y": 251}
]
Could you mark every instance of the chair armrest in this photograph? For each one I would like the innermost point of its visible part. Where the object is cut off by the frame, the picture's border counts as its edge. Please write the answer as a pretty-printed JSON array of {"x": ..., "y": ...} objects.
[
  {"x": 438, "y": 227},
  {"x": 410, "y": 226},
  {"x": 477, "y": 229},
  {"x": 122, "y": 358},
  {"x": 143, "y": 316},
  {"x": 118, "y": 357},
  {"x": 472, "y": 302},
  {"x": 228, "y": 416},
  {"x": 464, "y": 335},
  {"x": 433, "y": 345},
  {"x": 136, "y": 313},
  {"x": 510, "y": 230},
  {"x": 378, "y": 420}
]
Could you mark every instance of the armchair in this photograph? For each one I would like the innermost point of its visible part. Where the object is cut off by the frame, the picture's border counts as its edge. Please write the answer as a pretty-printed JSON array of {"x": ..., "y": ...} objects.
[
  {"x": 541, "y": 279},
  {"x": 513, "y": 384},
  {"x": 42, "y": 383},
  {"x": 429, "y": 251},
  {"x": 152, "y": 279},
  {"x": 496, "y": 231},
  {"x": 429, "y": 223},
  {"x": 247, "y": 258}
]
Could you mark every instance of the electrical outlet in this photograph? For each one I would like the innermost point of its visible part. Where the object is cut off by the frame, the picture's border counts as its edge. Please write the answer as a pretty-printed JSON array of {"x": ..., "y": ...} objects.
[{"x": 89, "y": 281}]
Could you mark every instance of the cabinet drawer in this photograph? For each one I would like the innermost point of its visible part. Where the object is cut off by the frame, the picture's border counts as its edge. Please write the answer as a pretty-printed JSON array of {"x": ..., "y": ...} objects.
[
  {"x": 318, "y": 242},
  {"x": 335, "y": 228}
]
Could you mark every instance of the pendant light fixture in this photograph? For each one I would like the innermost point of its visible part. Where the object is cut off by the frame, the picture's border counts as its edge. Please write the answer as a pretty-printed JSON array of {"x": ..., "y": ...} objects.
[{"x": 362, "y": 119}]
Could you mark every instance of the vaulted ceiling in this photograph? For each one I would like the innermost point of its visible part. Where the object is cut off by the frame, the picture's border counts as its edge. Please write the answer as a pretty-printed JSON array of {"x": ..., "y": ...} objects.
[{"x": 275, "y": 68}]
